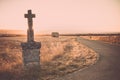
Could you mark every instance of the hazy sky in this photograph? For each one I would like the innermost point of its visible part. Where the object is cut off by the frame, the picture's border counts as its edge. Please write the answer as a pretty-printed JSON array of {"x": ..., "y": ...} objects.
[{"x": 64, "y": 16}]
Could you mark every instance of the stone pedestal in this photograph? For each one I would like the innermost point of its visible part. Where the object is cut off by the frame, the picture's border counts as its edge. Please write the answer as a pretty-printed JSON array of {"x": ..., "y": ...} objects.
[{"x": 31, "y": 53}]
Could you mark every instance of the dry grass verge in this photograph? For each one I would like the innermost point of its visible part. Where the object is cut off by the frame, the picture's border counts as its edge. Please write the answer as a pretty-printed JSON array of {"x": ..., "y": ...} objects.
[{"x": 59, "y": 56}]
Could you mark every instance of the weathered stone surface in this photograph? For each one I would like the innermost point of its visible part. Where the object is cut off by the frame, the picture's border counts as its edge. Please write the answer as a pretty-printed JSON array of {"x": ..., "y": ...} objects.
[
  {"x": 31, "y": 45},
  {"x": 31, "y": 53},
  {"x": 31, "y": 49},
  {"x": 30, "y": 32},
  {"x": 30, "y": 35}
]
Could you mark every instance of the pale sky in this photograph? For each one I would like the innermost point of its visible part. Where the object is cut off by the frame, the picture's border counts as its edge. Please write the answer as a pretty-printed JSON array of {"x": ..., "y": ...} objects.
[{"x": 64, "y": 16}]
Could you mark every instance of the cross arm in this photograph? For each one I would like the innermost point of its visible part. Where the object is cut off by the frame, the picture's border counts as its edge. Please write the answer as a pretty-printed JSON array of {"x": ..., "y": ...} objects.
[
  {"x": 27, "y": 16},
  {"x": 33, "y": 15}
]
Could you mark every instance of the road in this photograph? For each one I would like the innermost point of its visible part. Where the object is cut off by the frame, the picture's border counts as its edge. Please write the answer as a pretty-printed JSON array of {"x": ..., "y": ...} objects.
[{"x": 107, "y": 67}]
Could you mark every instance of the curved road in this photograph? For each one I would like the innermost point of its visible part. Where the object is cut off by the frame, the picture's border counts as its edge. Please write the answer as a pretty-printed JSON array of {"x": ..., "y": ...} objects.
[{"x": 108, "y": 66}]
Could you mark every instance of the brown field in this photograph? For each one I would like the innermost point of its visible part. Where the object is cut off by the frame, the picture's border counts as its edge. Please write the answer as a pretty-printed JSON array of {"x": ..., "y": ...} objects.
[
  {"x": 59, "y": 56},
  {"x": 115, "y": 39}
]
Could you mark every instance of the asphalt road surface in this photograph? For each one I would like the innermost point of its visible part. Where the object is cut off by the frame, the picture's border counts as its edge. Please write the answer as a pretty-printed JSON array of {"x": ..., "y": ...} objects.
[{"x": 107, "y": 67}]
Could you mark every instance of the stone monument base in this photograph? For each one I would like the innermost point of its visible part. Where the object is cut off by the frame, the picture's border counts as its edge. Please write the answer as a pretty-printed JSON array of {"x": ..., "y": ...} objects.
[{"x": 31, "y": 53}]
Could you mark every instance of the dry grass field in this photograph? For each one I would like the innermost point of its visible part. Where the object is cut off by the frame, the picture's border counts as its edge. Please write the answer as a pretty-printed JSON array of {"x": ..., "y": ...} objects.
[
  {"x": 59, "y": 56},
  {"x": 109, "y": 39}
]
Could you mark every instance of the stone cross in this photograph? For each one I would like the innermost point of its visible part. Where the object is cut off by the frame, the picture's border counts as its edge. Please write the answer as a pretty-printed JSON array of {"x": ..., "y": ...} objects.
[
  {"x": 30, "y": 33},
  {"x": 31, "y": 48}
]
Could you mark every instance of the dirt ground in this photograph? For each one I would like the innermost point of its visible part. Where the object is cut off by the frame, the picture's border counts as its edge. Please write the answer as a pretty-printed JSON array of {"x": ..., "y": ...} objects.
[{"x": 59, "y": 56}]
